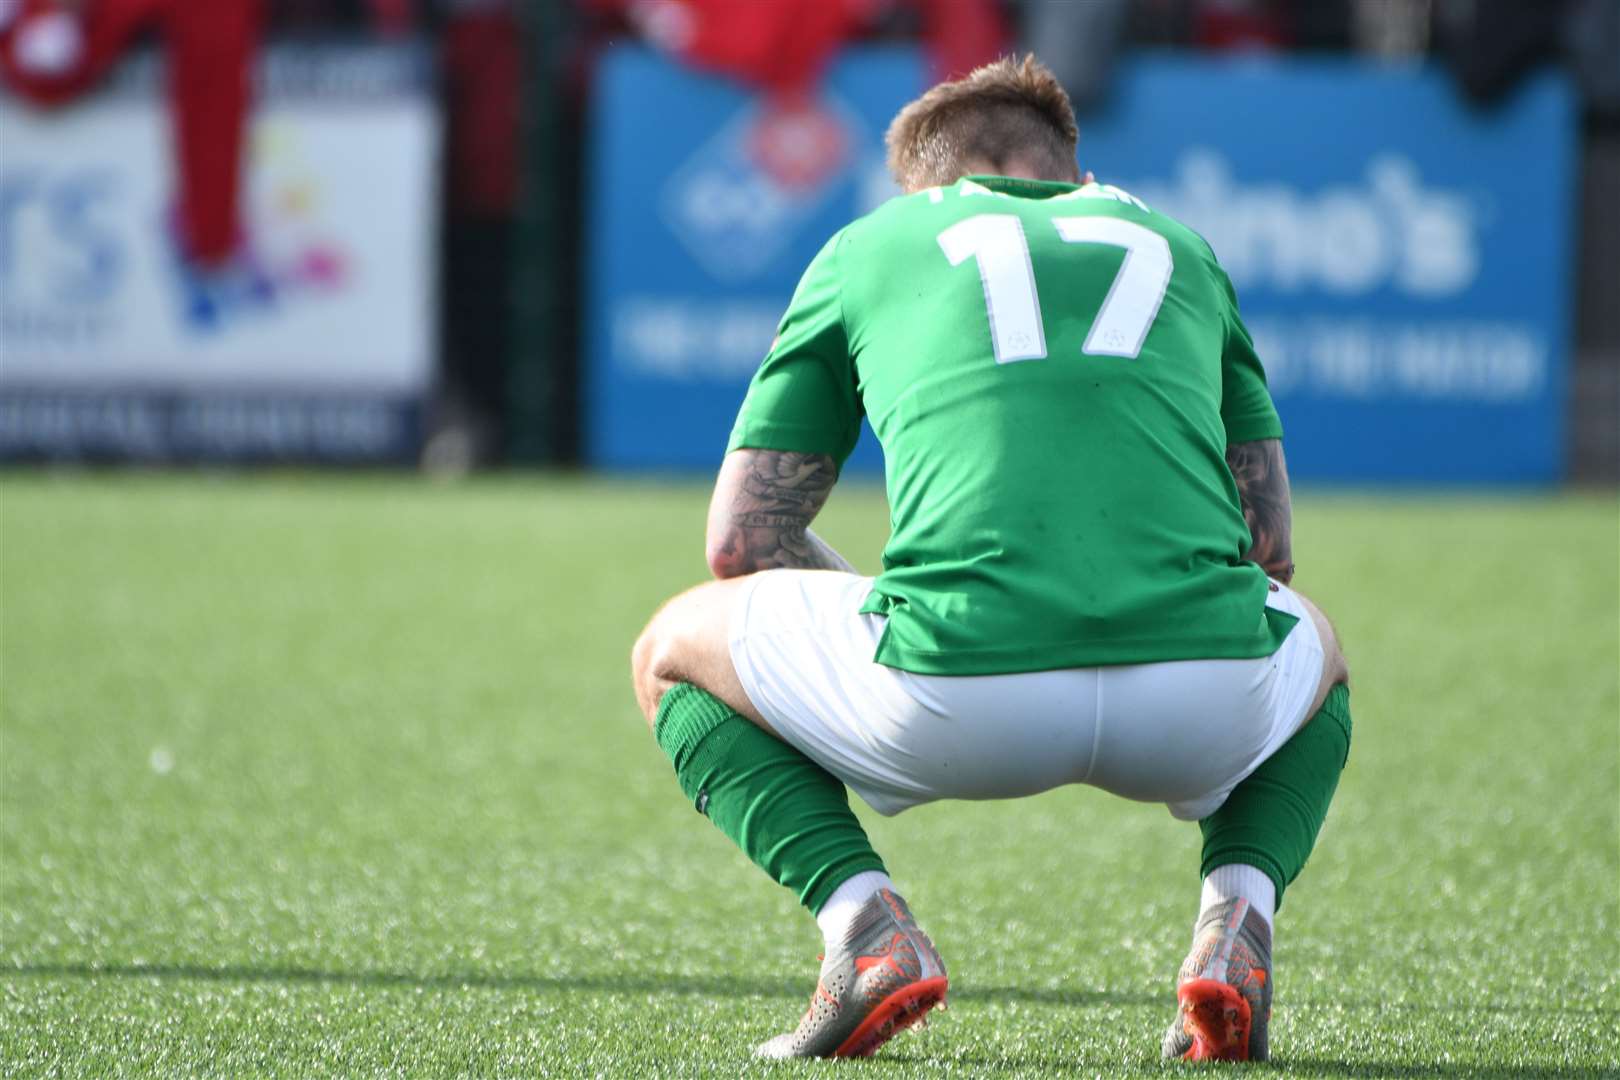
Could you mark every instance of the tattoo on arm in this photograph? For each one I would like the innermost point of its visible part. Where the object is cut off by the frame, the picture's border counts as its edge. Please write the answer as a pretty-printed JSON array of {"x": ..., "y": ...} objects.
[
  {"x": 763, "y": 505},
  {"x": 1262, "y": 482}
]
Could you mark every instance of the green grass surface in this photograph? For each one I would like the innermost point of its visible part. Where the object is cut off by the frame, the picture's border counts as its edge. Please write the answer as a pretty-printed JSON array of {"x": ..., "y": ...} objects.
[{"x": 308, "y": 776}]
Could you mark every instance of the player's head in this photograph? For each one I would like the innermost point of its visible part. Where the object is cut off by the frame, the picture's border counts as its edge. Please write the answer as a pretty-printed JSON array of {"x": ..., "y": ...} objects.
[{"x": 1010, "y": 118}]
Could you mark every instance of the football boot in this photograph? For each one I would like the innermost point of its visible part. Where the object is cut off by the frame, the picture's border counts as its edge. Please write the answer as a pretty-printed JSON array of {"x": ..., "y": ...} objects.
[
  {"x": 881, "y": 979},
  {"x": 1223, "y": 991}
]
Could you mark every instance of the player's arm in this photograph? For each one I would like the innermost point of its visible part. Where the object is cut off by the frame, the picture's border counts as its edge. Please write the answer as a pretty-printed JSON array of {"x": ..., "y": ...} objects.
[
  {"x": 1262, "y": 482},
  {"x": 797, "y": 426},
  {"x": 1254, "y": 450},
  {"x": 759, "y": 517}
]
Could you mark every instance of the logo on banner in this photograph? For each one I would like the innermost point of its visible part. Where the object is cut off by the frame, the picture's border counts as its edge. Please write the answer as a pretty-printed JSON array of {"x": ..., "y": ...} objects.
[
  {"x": 1389, "y": 230},
  {"x": 1385, "y": 230},
  {"x": 288, "y": 251},
  {"x": 67, "y": 251},
  {"x": 61, "y": 256},
  {"x": 741, "y": 198}
]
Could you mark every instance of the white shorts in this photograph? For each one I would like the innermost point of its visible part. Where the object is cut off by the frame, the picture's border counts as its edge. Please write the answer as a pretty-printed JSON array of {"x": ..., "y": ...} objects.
[{"x": 1182, "y": 732}]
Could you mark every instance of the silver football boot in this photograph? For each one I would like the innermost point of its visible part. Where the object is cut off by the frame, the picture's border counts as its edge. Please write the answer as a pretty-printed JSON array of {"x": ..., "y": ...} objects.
[{"x": 882, "y": 978}]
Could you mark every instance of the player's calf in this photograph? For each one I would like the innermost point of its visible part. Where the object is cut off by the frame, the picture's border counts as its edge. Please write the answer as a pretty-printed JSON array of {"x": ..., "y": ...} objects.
[
  {"x": 1255, "y": 845},
  {"x": 793, "y": 819}
]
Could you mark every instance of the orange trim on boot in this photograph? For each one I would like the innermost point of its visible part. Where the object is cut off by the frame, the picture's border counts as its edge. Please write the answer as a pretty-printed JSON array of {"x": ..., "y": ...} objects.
[
  {"x": 1217, "y": 1017},
  {"x": 901, "y": 1009}
]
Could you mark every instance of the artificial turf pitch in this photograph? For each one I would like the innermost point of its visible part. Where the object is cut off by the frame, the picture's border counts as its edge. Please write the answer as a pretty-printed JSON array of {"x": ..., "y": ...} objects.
[{"x": 343, "y": 776}]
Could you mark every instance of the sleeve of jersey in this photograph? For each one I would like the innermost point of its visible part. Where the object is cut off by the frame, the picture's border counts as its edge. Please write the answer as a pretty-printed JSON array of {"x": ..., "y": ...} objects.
[
  {"x": 1246, "y": 406},
  {"x": 803, "y": 396}
]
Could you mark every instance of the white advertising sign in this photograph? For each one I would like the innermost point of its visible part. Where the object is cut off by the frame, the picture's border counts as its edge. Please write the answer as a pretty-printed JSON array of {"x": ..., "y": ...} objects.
[{"x": 318, "y": 341}]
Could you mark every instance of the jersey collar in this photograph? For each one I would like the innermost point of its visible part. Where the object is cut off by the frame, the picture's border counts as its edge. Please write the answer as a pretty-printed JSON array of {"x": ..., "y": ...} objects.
[{"x": 1024, "y": 189}]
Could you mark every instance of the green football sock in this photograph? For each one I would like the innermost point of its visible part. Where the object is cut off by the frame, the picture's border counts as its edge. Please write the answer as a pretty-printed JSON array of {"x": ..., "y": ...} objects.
[
  {"x": 1270, "y": 821},
  {"x": 788, "y": 814}
]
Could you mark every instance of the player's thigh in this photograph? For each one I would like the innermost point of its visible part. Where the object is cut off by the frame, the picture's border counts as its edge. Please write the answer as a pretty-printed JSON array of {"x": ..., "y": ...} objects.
[
  {"x": 687, "y": 641},
  {"x": 805, "y": 652},
  {"x": 1334, "y": 668},
  {"x": 1186, "y": 732}
]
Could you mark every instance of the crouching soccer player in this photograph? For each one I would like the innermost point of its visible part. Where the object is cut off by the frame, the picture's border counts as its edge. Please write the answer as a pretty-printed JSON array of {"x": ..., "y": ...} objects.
[{"x": 1086, "y": 581}]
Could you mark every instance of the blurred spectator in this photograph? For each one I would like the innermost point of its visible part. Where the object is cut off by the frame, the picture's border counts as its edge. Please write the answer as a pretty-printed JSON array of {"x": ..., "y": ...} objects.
[
  {"x": 481, "y": 64},
  {"x": 1491, "y": 44},
  {"x": 52, "y": 51},
  {"x": 1079, "y": 42},
  {"x": 482, "y": 68},
  {"x": 783, "y": 46},
  {"x": 389, "y": 18},
  {"x": 1242, "y": 24},
  {"x": 1391, "y": 29},
  {"x": 959, "y": 35},
  {"x": 1592, "y": 39},
  {"x": 1082, "y": 41}
]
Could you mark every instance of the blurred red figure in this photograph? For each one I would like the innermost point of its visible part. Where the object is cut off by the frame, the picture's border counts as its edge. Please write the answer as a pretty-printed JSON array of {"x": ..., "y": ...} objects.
[
  {"x": 782, "y": 46},
  {"x": 52, "y": 51}
]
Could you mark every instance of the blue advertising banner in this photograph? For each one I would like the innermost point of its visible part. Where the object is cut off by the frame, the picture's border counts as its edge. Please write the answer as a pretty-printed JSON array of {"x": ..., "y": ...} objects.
[
  {"x": 1402, "y": 260},
  {"x": 706, "y": 209}
]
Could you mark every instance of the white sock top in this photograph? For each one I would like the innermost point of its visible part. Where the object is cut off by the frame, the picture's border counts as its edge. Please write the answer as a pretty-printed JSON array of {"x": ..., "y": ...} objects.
[
  {"x": 838, "y": 912},
  {"x": 1237, "y": 879}
]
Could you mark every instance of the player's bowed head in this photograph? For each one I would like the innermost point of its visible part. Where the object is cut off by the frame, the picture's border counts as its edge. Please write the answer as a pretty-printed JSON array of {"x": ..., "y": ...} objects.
[{"x": 1007, "y": 118}]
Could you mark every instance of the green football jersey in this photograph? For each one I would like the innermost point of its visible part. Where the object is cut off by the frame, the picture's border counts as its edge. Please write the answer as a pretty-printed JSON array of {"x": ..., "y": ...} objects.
[{"x": 1054, "y": 373}]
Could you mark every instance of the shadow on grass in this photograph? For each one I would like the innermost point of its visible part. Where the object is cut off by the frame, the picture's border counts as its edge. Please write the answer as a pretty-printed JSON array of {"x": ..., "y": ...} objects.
[
  {"x": 1057, "y": 1063},
  {"x": 723, "y": 987},
  {"x": 1447, "y": 1070},
  {"x": 597, "y": 983}
]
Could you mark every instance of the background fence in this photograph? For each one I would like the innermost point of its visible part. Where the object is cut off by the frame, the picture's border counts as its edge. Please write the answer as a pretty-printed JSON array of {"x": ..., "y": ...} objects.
[{"x": 482, "y": 232}]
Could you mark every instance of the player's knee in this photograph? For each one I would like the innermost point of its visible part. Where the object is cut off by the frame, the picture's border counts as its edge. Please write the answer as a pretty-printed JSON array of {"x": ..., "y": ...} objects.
[
  {"x": 685, "y": 642},
  {"x": 641, "y": 654},
  {"x": 651, "y": 664}
]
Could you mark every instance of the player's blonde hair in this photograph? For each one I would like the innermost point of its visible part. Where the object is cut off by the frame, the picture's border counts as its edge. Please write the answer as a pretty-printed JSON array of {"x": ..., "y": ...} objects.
[{"x": 1010, "y": 110}]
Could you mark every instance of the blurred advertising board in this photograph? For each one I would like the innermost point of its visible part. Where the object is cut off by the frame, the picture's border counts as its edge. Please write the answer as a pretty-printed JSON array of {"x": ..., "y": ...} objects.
[
  {"x": 705, "y": 208},
  {"x": 1403, "y": 260},
  {"x": 317, "y": 344}
]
